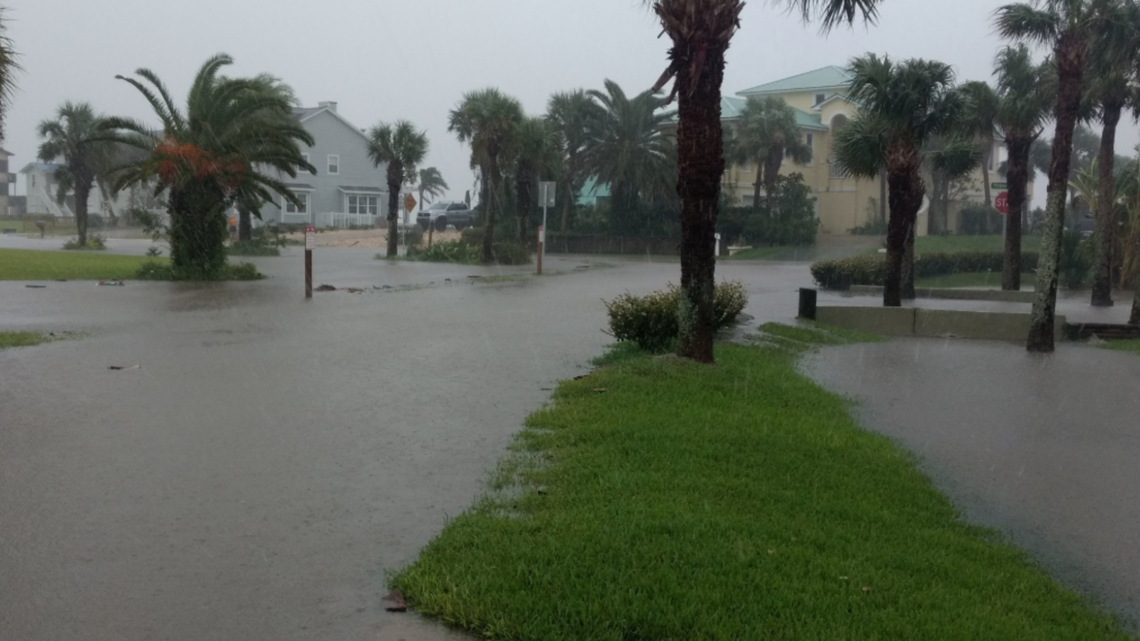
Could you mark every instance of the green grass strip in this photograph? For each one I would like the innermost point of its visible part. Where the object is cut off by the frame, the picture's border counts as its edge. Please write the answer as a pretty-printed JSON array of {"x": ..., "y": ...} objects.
[
  {"x": 30, "y": 264},
  {"x": 27, "y": 339},
  {"x": 1126, "y": 345},
  {"x": 661, "y": 499}
]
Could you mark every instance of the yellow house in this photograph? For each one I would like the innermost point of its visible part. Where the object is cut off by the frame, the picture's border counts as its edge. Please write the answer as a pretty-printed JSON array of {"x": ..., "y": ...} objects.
[{"x": 822, "y": 110}]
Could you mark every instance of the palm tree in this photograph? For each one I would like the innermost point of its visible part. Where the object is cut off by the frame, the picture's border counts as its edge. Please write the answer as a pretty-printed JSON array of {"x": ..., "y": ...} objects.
[
  {"x": 701, "y": 31},
  {"x": 402, "y": 148},
  {"x": 1025, "y": 92},
  {"x": 73, "y": 137},
  {"x": 488, "y": 120},
  {"x": 981, "y": 121},
  {"x": 629, "y": 151},
  {"x": 431, "y": 184},
  {"x": 1069, "y": 27},
  {"x": 1111, "y": 90},
  {"x": 904, "y": 107},
  {"x": 767, "y": 133},
  {"x": 573, "y": 118},
  {"x": 8, "y": 69},
  {"x": 533, "y": 147},
  {"x": 208, "y": 155}
]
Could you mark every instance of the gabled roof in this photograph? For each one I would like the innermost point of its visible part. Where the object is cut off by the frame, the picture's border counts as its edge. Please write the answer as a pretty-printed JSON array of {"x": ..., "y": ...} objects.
[
  {"x": 307, "y": 113},
  {"x": 832, "y": 77},
  {"x": 45, "y": 167},
  {"x": 838, "y": 96}
]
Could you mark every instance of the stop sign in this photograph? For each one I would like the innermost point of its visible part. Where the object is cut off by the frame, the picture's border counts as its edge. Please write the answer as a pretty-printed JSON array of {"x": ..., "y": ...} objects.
[{"x": 1001, "y": 203}]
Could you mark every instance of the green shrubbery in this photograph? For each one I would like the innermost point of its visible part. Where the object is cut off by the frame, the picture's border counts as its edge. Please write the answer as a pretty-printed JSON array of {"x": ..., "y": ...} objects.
[
  {"x": 469, "y": 253},
  {"x": 980, "y": 220},
  {"x": 786, "y": 219},
  {"x": 1076, "y": 260},
  {"x": 651, "y": 320},
  {"x": 151, "y": 270},
  {"x": 94, "y": 242},
  {"x": 252, "y": 248},
  {"x": 871, "y": 269}
]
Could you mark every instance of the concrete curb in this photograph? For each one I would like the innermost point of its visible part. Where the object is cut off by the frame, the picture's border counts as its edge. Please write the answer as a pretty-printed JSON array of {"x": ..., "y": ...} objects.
[
  {"x": 910, "y": 321},
  {"x": 951, "y": 294}
]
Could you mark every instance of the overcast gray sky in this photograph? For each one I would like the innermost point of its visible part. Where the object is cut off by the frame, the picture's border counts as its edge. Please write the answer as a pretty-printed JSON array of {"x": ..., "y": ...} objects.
[{"x": 389, "y": 59}]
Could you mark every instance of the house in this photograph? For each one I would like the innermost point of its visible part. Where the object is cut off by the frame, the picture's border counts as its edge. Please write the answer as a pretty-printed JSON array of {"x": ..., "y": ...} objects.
[
  {"x": 41, "y": 186},
  {"x": 347, "y": 189},
  {"x": 8, "y": 180},
  {"x": 822, "y": 109},
  {"x": 593, "y": 193}
]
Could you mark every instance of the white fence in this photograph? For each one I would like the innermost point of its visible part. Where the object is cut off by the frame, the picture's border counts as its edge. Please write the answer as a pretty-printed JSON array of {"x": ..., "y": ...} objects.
[{"x": 345, "y": 220}]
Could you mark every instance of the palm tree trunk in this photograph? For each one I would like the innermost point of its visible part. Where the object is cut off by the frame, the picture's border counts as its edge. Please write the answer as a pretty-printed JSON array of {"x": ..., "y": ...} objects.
[
  {"x": 1134, "y": 319},
  {"x": 395, "y": 179},
  {"x": 986, "y": 170},
  {"x": 700, "y": 160},
  {"x": 522, "y": 187},
  {"x": 906, "y": 191},
  {"x": 491, "y": 184},
  {"x": 1070, "y": 59},
  {"x": 245, "y": 225},
  {"x": 1105, "y": 207},
  {"x": 882, "y": 196},
  {"x": 758, "y": 184},
  {"x": 908, "y": 265},
  {"x": 1017, "y": 176},
  {"x": 82, "y": 193},
  {"x": 568, "y": 187},
  {"x": 772, "y": 171}
]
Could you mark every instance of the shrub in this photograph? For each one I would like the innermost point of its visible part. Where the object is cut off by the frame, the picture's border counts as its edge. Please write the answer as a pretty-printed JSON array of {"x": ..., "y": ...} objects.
[
  {"x": 511, "y": 254},
  {"x": 980, "y": 220},
  {"x": 151, "y": 270},
  {"x": 94, "y": 242},
  {"x": 451, "y": 251},
  {"x": 1076, "y": 260},
  {"x": 787, "y": 218},
  {"x": 651, "y": 320},
  {"x": 871, "y": 269}
]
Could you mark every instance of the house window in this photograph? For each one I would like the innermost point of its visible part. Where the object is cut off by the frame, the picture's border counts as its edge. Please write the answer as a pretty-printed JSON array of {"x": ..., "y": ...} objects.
[
  {"x": 334, "y": 164},
  {"x": 290, "y": 208},
  {"x": 819, "y": 98},
  {"x": 360, "y": 204}
]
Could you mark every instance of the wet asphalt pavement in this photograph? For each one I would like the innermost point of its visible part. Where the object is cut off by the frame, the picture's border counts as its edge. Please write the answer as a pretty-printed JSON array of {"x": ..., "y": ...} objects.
[{"x": 272, "y": 457}]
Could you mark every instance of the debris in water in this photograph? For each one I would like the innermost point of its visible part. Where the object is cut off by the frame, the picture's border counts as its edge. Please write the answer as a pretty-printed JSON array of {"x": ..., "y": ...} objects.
[
  {"x": 124, "y": 367},
  {"x": 112, "y": 283},
  {"x": 396, "y": 602},
  {"x": 326, "y": 288},
  {"x": 36, "y": 286}
]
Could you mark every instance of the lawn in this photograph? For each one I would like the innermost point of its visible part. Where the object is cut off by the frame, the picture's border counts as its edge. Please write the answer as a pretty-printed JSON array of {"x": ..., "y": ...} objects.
[
  {"x": 973, "y": 279},
  {"x": 953, "y": 244},
  {"x": 24, "y": 339},
  {"x": 661, "y": 499},
  {"x": 28, "y": 264},
  {"x": 1126, "y": 345}
]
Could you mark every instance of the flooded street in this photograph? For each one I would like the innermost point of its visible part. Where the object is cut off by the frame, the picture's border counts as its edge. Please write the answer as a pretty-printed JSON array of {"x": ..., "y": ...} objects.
[
  {"x": 272, "y": 457},
  {"x": 1041, "y": 447}
]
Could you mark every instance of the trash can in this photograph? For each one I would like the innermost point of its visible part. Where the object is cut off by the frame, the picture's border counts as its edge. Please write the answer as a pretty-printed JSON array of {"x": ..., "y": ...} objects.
[{"x": 807, "y": 303}]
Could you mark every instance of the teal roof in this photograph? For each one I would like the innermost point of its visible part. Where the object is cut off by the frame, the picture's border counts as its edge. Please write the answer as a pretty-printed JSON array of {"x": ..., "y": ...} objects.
[
  {"x": 826, "y": 78},
  {"x": 731, "y": 108},
  {"x": 809, "y": 121},
  {"x": 592, "y": 190}
]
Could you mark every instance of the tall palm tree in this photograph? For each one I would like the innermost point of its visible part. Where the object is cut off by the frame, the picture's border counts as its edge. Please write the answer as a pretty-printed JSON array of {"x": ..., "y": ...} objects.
[
  {"x": 701, "y": 31},
  {"x": 629, "y": 152},
  {"x": 981, "y": 121},
  {"x": 73, "y": 136},
  {"x": 903, "y": 107},
  {"x": 402, "y": 148},
  {"x": 574, "y": 118},
  {"x": 765, "y": 134},
  {"x": 1110, "y": 88},
  {"x": 488, "y": 120},
  {"x": 1026, "y": 90},
  {"x": 1069, "y": 27},
  {"x": 533, "y": 147},
  {"x": 207, "y": 155},
  {"x": 431, "y": 184},
  {"x": 8, "y": 69}
]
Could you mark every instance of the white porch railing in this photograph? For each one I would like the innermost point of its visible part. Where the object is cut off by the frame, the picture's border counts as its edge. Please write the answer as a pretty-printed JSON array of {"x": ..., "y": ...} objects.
[{"x": 333, "y": 219}]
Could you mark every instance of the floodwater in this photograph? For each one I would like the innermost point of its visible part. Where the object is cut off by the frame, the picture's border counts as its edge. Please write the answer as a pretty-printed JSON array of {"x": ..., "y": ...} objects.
[
  {"x": 271, "y": 458},
  {"x": 1043, "y": 448}
]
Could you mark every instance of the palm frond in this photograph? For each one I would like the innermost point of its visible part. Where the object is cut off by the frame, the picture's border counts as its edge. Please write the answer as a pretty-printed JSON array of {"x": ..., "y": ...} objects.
[
  {"x": 833, "y": 13},
  {"x": 1022, "y": 21},
  {"x": 860, "y": 147}
]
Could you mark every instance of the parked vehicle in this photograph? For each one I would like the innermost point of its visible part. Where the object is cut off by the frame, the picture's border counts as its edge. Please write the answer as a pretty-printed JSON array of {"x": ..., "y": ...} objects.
[{"x": 442, "y": 214}]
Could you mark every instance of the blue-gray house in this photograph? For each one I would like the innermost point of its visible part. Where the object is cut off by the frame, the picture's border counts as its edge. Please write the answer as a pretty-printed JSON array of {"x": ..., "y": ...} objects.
[{"x": 347, "y": 188}]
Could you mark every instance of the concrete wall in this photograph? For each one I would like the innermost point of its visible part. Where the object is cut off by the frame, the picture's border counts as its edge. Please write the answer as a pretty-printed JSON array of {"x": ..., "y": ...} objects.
[{"x": 909, "y": 321}]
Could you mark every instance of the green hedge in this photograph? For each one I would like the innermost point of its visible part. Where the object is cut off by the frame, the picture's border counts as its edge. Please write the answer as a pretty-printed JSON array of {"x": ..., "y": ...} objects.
[
  {"x": 651, "y": 320},
  {"x": 871, "y": 269}
]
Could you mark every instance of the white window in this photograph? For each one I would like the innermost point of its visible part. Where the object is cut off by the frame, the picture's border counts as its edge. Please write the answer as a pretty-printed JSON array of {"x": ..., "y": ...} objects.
[
  {"x": 819, "y": 98},
  {"x": 290, "y": 208},
  {"x": 334, "y": 164},
  {"x": 361, "y": 204}
]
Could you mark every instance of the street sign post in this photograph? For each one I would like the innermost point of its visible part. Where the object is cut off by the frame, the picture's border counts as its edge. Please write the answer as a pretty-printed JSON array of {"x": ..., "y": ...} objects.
[
  {"x": 310, "y": 244},
  {"x": 546, "y": 192}
]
